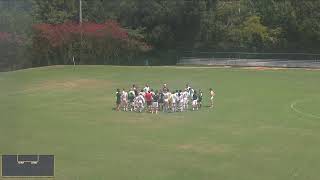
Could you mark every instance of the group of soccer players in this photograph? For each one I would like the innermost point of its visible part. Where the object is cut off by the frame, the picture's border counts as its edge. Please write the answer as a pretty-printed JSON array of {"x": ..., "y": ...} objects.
[{"x": 153, "y": 101}]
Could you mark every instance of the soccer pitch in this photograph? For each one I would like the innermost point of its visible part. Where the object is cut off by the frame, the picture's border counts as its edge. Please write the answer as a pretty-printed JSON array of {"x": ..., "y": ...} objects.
[{"x": 266, "y": 124}]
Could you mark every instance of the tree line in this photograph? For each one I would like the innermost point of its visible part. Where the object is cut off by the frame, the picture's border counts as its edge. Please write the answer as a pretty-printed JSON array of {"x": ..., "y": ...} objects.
[{"x": 157, "y": 30}]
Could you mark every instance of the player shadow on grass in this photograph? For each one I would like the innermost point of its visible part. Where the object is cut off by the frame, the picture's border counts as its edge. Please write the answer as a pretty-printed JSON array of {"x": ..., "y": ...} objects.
[{"x": 203, "y": 106}]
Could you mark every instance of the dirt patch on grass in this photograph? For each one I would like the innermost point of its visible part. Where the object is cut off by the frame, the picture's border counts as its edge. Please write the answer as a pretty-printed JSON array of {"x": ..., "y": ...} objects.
[
  {"x": 67, "y": 85},
  {"x": 79, "y": 83},
  {"x": 204, "y": 148}
]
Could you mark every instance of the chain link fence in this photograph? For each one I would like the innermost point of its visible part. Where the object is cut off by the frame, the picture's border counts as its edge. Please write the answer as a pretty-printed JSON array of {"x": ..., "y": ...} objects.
[{"x": 246, "y": 59}]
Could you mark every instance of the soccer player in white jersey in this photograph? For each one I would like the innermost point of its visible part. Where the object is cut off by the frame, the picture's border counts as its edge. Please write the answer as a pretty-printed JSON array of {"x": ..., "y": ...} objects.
[
  {"x": 173, "y": 100},
  {"x": 166, "y": 102},
  {"x": 140, "y": 101},
  {"x": 185, "y": 99},
  {"x": 212, "y": 94},
  {"x": 124, "y": 100},
  {"x": 146, "y": 88},
  {"x": 179, "y": 101}
]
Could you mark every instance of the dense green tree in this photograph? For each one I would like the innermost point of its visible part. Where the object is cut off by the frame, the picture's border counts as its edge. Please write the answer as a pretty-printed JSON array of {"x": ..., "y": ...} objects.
[
  {"x": 299, "y": 21},
  {"x": 55, "y": 11},
  {"x": 169, "y": 26}
]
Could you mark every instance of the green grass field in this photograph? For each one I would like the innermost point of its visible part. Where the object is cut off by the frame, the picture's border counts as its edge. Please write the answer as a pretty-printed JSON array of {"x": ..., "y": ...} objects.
[{"x": 266, "y": 124}]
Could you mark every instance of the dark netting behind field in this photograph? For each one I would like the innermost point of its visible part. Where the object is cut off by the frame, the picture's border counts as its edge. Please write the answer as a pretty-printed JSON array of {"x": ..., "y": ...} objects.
[{"x": 250, "y": 59}]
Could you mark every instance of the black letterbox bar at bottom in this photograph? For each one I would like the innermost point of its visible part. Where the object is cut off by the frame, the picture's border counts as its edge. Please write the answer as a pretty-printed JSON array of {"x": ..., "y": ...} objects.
[{"x": 27, "y": 165}]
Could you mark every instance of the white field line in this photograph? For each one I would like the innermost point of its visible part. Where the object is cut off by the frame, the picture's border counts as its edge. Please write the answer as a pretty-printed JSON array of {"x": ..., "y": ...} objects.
[{"x": 292, "y": 106}]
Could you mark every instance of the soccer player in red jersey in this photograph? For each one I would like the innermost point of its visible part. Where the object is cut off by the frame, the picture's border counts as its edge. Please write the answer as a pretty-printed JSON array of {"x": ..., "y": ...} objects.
[{"x": 148, "y": 97}]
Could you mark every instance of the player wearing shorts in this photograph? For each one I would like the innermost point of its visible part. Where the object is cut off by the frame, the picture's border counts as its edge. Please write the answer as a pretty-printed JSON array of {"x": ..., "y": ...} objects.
[
  {"x": 186, "y": 99},
  {"x": 166, "y": 104},
  {"x": 148, "y": 97},
  {"x": 181, "y": 101},
  {"x": 124, "y": 100},
  {"x": 118, "y": 99},
  {"x": 212, "y": 94},
  {"x": 191, "y": 92},
  {"x": 161, "y": 100},
  {"x": 200, "y": 95},
  {"x": 178, "y": 99},
  {"x": 155, "y": 104},
  {"x": 194, "y": 101},
  {"x": 131, "y": 97},
  {"x": 139, "y": 102},
  {"x": 173, "y": 101}
]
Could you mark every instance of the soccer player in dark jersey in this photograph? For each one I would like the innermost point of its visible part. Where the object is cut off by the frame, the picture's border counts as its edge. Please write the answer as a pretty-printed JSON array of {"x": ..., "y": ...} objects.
[
  {"x": 200, "y": 95},
  {"x": 118, "y": 99},
  {"x": 161, "y": 100},
  {"x": 195, "y": 101},
  {"x": 131, "y": 97},
  {"x": 155, "y": 103},
  {"x": 135, "y": 89}
]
